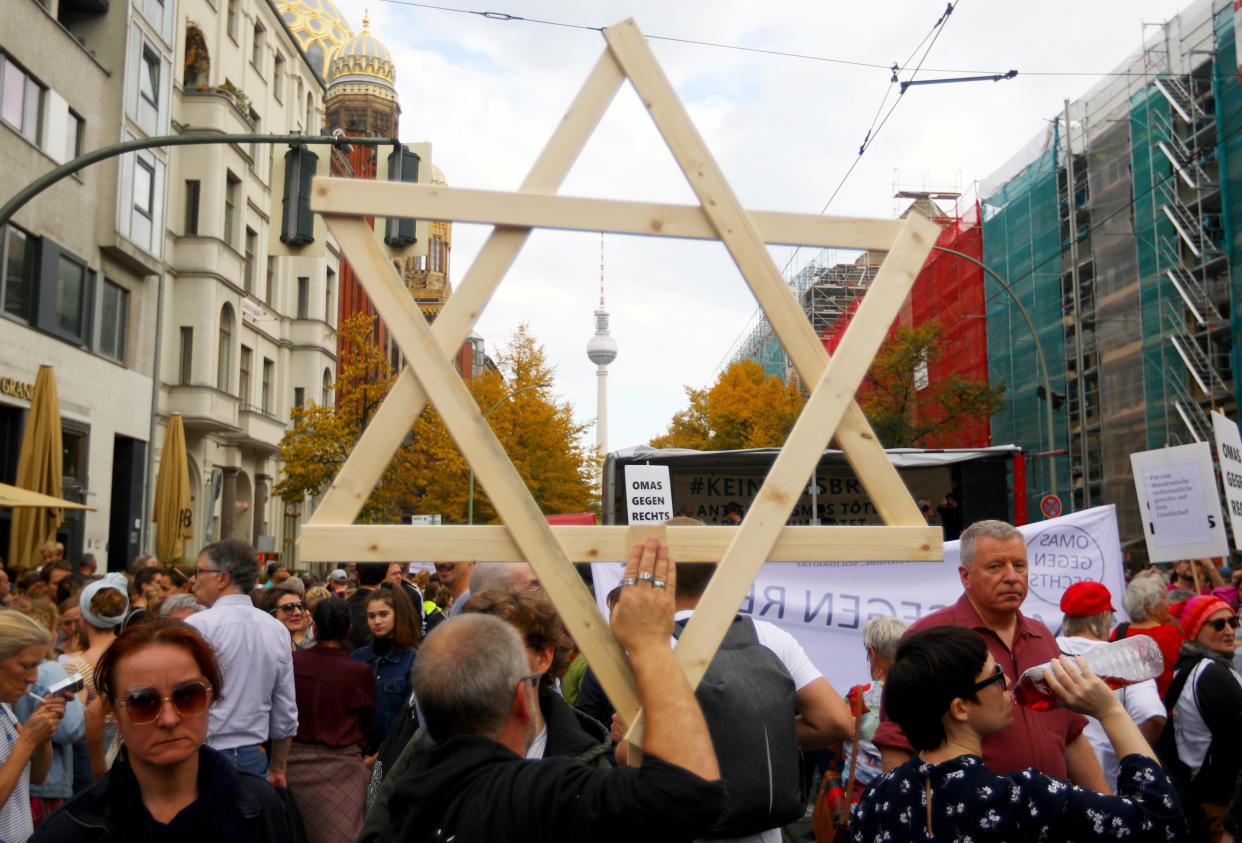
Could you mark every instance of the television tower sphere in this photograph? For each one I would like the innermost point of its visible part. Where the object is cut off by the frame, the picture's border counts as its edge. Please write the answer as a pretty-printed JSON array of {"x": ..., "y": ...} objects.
[{"x": 602, "y": 348}]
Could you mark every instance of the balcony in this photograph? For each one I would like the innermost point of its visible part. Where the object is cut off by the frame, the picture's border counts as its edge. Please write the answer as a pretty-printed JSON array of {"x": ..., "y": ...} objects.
[
  {"x": 204, "y": 409},
  {"x": 257, "y": 429}
]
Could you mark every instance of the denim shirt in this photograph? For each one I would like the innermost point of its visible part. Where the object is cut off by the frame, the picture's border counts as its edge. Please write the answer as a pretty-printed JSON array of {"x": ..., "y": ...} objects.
[
  {"x": 392, "y": 685},
  {"x": 72, "y": 728}
]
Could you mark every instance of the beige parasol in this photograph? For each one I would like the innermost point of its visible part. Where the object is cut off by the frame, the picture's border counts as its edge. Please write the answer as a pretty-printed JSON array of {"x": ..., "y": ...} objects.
[
  {"x": 15, "y": 497},
  {"x": 173, "y": 513},
  {"x": 40, "y": 468}
]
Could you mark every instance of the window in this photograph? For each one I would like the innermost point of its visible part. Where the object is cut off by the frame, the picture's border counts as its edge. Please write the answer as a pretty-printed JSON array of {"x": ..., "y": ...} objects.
[
  {"x": 256, "y": 47},
  {"x": 265, "y": 397},
  {"x": 113, "y": 320},
  {"x": 437, "y": 246},
  {"x": 312, "y": 125},
  {"x": 232, "y": 19},
  {"x": 243, "y": 382},
  {"x": 222, "y": 354},
  {"x": 251, "y": 245},
  {"x": 73, "y": 448},
  {"x": 21, "y": 102},
  {"x": 232, "y": 189},
  {"x": 329, "y": 289},
  {"x": 299, "y": 396},
  {"x": 327, "y": 387},
  {"x": 149, "y": 76},
  {"x": 75, "y": 135},
  {"x": 303, "y": 297},
  {"x": 70, "y": 296},
  {"x": 192, "y": 191},
  {"x": 144, "y": 187},
  {"x": 278, "y": 77},
  {"x": 17, "y": 272},
  {"x": 186, "y": 362},
  {"x": 271, "y": 279}
]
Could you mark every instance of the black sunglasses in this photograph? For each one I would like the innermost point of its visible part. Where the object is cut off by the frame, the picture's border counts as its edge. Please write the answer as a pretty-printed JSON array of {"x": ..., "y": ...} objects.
[
  {"x": 997, "y": 676},
  {"x": 291, "y": 607},
  {"x": 1219, "y": 623},
  {"x": 145, "y": 704}
]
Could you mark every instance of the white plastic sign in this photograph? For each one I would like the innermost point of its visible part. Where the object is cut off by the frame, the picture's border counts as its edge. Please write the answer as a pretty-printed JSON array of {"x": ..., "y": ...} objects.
[
  {"x": 1176, "y": 490},
  {"x": 648, "y": 494},
  {"x": 1229, "y": 455}
]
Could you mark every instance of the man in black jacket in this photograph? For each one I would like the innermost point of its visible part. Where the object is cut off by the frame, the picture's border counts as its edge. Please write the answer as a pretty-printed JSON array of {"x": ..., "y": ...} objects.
[{"x": 474, "y": 783}]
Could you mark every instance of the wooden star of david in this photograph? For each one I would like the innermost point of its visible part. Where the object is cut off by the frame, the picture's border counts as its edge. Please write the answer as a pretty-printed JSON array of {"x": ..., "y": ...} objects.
[{"x": 330, "y": 534}]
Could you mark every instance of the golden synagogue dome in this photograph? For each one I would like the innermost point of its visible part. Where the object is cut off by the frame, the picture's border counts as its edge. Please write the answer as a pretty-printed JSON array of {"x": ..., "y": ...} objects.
[
  {"x": 319, "y": 27},
  {"x": 362, "y": 65}
]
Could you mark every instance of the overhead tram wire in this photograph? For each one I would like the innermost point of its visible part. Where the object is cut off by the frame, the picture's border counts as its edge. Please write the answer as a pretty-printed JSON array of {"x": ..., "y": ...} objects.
[{"x": 504, "y": 17}]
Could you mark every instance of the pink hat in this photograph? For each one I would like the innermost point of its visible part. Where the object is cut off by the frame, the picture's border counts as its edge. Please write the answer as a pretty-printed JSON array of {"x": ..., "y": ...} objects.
[{"x": 1193, "y": 612}]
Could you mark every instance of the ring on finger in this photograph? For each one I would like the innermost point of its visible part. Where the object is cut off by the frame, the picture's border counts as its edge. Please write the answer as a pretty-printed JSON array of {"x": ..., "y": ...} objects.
[
  {"x": 658, "y": 583},
  {"x": 628, "y": 581},
  {"x": 645, "y": 576}
]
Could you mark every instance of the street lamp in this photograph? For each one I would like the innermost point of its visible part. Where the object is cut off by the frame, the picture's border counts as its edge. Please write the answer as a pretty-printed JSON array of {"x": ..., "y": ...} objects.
[{"x": 486, "y": 416}]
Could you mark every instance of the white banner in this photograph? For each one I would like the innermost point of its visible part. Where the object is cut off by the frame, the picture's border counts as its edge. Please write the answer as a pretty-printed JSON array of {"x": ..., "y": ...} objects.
[
  {"x": 648, "y": 495},
  {"x": 1176, "y": 490},
  {"x": 1229, "y": 457},
  {"x": 826, "y": 604}
]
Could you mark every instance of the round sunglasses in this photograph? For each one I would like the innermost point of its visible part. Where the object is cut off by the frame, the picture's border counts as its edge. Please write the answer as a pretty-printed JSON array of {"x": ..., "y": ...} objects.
[
  {"x": 143, "y": 705},
  {"x": 1219, "y": 623}
]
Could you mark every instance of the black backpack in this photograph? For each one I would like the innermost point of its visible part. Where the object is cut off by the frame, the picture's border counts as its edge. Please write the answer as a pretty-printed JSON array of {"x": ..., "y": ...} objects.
[
  {"x": 747, "y": 697},
  {"x": 1178, "y": 771}
]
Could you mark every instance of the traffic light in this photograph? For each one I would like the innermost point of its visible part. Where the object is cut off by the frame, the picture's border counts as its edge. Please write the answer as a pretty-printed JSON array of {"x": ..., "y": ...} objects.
[
  {"x": 402, "y": 166},
  {"x": 405, "y": 237},
  {"x": 297, "y": 223}
]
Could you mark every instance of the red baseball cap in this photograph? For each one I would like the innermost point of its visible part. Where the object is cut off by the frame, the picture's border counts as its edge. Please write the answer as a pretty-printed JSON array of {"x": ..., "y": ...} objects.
[{"x": 1083, "y": 599}]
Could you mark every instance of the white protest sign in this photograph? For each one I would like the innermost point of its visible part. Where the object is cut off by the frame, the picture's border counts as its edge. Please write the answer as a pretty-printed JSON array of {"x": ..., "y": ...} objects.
[
  {"x": 1229, "y": 455},
  {"x": 1177, "y": 496},
  {"x": 825, "y": 605},
  {"x": 648, "y": 494}
]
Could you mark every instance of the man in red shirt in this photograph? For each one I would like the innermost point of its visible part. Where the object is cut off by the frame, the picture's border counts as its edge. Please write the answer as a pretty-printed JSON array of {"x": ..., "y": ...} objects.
[{"x": 994, "y": 578}]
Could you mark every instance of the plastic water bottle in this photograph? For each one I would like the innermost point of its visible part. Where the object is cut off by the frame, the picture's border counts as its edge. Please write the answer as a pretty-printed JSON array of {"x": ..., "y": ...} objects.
[{"x": 1120, "y": 663}]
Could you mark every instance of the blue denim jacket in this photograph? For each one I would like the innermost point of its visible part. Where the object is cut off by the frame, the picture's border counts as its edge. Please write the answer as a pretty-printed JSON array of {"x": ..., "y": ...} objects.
[
  {"x": 392, "y": 685},
  {"x": 59, "y": 781}
]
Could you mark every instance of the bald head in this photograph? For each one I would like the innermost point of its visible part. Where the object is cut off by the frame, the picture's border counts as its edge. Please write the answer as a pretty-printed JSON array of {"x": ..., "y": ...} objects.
[
  {"x": 465, "y": 676},
  {"x": 516, "y": 575}
]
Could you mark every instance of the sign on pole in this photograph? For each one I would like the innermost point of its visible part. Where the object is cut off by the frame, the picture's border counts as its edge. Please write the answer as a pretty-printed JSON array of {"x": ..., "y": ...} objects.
[
  {"x": 1176, "y": 490},
  {"x": 1229, "y": 454},
  {"x": 648, "y": 494},
  {"x": 1050, "y": 506}
]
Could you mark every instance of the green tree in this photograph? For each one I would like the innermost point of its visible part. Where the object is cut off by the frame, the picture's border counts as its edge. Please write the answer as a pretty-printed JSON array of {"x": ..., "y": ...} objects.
[
  {"x": 744, "y": 408},
  {"x": 907, "y": 416}
]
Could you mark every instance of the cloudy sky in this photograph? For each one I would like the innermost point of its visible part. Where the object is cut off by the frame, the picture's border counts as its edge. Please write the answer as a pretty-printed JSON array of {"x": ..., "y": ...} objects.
[{"x": 785, "y": 130}]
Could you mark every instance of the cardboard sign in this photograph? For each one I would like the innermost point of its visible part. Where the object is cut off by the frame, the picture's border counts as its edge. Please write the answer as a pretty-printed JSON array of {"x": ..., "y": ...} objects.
[
  {"x": 1177, "y": 495},
  {"x": 648, "y": 494},
  {"x": 1229, "y": 456}
]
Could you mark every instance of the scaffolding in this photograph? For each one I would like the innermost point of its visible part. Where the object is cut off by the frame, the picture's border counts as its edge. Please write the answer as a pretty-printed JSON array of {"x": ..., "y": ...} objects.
[{"x": 1123, "y": 216}]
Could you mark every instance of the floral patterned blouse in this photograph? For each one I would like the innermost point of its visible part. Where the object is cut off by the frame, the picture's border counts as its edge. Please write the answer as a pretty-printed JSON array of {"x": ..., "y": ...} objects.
[{"x": 971, "y": 804}]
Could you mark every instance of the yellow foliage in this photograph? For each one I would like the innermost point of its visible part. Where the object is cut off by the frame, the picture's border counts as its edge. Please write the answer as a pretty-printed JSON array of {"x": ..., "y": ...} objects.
[{"x": 744, "y": 409}]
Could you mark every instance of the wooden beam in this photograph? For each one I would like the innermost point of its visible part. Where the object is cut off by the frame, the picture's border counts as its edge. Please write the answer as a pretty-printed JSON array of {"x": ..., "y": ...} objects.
[
  {"x": 460, "y": 543},
  {"x": 881, "y": 480},
  {"x": 358, "y": 197},
  {"x": 374, "y": 451},
  {"x": 478, "y": 444}
]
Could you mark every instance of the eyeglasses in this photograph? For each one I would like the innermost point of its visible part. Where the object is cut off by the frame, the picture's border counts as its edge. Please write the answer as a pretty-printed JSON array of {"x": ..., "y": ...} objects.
[
  {"x": 532, "y": 678},
  {"x": 198, "y": 572},
  {"x": 145, "y": 704},
  {"x": 1219, "y": 623},
  {"x": 291, "y": 607},
  {"x": 997, "y": 676}
]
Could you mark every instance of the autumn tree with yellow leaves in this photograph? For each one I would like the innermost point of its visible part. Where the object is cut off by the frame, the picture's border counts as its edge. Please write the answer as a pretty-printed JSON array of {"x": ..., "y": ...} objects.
[
  {"x": 744, "y": 408},
  {"x": 428, "y": 474}
]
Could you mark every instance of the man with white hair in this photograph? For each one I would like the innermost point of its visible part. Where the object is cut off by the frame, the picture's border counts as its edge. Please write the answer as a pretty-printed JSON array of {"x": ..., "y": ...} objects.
[{"x": 993, "y": 571}]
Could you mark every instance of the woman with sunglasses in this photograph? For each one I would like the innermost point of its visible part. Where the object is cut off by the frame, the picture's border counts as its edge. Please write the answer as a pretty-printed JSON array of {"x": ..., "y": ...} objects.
[
  {"x": 1205, "y": 701},
  {"x": 947, "y": 693},
  {"x": 290, "y": 609},
  {"x": 158, "y": 680}
]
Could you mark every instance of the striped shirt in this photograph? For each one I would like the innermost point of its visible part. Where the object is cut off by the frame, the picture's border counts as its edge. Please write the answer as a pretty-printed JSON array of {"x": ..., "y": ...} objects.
[{"x": 15, "y": 821}]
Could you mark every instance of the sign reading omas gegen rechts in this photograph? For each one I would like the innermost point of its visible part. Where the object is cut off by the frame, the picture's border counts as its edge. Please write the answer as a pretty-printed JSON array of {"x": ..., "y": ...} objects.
[
  {"x": 648, "y": 494},
  {"x": 1229, "y": 455}
]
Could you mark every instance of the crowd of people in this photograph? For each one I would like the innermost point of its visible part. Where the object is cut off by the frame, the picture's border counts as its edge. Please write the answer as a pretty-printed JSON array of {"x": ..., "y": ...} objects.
[{"x": 227, "y": 701}]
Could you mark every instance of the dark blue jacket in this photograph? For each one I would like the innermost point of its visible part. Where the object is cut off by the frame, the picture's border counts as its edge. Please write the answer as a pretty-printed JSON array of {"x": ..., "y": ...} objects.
[{"x": 392, "y": 684}]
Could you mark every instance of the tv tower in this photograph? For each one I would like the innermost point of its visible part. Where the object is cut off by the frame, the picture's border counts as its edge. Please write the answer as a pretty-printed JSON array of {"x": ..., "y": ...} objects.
[{"x": 602, "y": 350}]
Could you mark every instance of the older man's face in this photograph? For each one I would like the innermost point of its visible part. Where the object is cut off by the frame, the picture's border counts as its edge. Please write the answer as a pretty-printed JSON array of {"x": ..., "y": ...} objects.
[{"x": 997, "y": 581}]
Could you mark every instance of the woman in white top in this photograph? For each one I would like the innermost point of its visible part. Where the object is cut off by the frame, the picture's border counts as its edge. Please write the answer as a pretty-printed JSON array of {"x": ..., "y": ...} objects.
[{"x": 25, "y": 751}]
